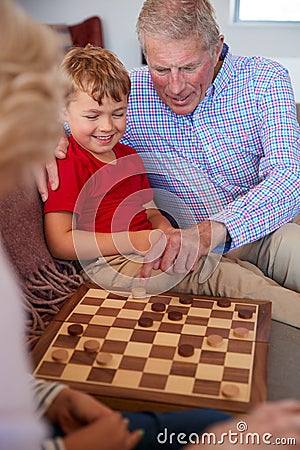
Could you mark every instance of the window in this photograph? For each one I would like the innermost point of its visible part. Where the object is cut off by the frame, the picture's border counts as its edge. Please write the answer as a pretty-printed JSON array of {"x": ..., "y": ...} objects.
[{"x": 267, "y": 11}]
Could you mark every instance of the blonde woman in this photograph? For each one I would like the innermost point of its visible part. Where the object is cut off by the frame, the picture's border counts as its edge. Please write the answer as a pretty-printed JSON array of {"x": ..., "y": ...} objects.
[
  {"x": 28, "y": 55},
  {"x": 30, "y": 94}
]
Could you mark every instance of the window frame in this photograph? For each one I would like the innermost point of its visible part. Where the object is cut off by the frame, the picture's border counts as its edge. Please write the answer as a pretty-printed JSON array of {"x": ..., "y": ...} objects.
[{"x": 237, "y": 20}]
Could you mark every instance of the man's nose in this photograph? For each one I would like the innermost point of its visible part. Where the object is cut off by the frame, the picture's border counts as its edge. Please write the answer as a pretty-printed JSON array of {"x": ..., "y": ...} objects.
[{"x": 176, "y": 81}]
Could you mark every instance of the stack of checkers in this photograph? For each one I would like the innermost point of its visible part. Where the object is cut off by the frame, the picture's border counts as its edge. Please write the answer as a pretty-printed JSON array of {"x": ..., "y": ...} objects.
[{"x": 177, "y": 350}]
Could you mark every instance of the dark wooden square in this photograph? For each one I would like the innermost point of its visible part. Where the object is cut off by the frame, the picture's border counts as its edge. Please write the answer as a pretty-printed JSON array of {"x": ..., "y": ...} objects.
[
  {"x": 196, "y": 320},
  {"x": 138, "y": 306},
  {"x": 96, "y": 331},
  {"x": 170, "y": 327},
  {"x": 196, "y": 341},
  {"x": 124, "y": 323},
  {"x": 235, "y": 374},
  {"x": 220, "y": 314},
  {"x": 220, "y": 331},
  {"x": 66, "y": 341},
  {"x": 82, "y": 357},
  {"x": 207, "y": 387},
  {"x": 101, "y": 375},
  {"x": 208, "y": 357},
  {"x": 238, "y": 346},
  {"x": 143, "y": 336},
  {"x": 80, "y": 318},
  {"x": 184, "y": 369},
  {"x": 207, "y": 304},
  {"x": 162, "y": 351},
  {"x": 111, "y": 346},
  {"x": 133, "y": 363},
  {"x": 153, "y": 381},
  {"x": 52, "y": 369},
  {"x": 92, "y": 301},
  {"x": 104, "y": 311}
]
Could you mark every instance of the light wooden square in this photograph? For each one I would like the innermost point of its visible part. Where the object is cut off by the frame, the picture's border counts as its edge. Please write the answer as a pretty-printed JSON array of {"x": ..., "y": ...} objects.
[
  {"x": 171, "y": 339},
  {"x": 209, "y": 372},
  {"x": 102, "y": 320},
  {"x": 127, "y": 378},
  {"x": 119, "y": 334},
  {"x": 75, "y": 372},
  {"x": 240, "y": 360},
  {"x": 179, "y": 384},
  {"x": 195, "y": 330},
  {"x": 111, "y": 303},
  {"x": 138, "y": 349},
  {"x": 219, "y": 323},
  {"x": 159, "y": 366}
]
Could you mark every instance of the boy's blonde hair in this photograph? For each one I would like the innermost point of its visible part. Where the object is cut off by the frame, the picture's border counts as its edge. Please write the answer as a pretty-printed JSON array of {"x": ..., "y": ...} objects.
[
  {"x": 97, "y": 72},
  {"x": 31, "y": 91}
]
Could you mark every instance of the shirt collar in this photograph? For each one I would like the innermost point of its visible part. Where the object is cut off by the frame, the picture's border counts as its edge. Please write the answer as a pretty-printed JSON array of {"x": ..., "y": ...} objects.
[{"x": 224, "y": 75}]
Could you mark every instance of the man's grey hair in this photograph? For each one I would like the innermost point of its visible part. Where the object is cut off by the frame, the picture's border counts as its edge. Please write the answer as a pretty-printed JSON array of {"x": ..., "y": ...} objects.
[{"x": 178, "y": 19}]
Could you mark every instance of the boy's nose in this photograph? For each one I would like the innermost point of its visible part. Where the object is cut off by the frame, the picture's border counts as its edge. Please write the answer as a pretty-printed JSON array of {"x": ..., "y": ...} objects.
[{"x": 106, "y": 124}]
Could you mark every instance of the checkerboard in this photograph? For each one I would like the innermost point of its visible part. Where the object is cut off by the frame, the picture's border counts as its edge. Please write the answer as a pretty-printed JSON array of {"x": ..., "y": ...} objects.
[{"x": 145, "y": 367}]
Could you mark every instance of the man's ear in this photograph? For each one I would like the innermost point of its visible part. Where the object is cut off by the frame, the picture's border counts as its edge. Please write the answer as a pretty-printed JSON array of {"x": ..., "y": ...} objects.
[{"x": 219, "y": 48}]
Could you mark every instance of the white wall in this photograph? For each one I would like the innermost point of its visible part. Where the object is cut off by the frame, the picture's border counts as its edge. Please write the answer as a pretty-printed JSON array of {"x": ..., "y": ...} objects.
[
  {"x": 279, "y": 42},
  {"x": 118, "y": 21}
]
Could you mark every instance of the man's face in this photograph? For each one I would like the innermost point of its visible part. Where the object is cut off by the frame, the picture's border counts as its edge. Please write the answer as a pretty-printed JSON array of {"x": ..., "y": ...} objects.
[{"x": 181, "y": 71}]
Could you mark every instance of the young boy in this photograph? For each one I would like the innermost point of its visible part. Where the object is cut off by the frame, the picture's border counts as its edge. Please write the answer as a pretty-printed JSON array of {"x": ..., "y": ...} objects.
[
  {"x": 98, "y": 214},
  {"x": 98, "y": 209}
]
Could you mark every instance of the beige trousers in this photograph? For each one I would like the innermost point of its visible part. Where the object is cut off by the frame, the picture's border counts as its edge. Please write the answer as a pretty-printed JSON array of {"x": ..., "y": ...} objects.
[
  {"x": 214, "y": 276},
  {"x": 277, "y": 255}
]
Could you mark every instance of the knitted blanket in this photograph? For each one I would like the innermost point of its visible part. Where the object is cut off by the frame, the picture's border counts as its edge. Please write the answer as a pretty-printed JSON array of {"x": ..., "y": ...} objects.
[{"x": 45, "y": 282}]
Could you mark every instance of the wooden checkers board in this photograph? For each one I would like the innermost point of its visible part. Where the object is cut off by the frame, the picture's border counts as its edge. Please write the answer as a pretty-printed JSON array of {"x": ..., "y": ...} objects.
[{"x": 140, "y": 366}]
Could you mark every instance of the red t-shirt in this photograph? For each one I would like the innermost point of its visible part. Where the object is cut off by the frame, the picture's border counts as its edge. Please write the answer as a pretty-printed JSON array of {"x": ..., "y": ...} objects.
[{"x": 106, "y": 197}]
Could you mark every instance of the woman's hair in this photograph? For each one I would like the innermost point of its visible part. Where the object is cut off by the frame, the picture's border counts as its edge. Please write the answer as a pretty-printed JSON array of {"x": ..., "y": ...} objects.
[
  {"x": 31, "y": 90},
  {"x": 97, "y": 72},
  {"x": 178, "y": 19}
]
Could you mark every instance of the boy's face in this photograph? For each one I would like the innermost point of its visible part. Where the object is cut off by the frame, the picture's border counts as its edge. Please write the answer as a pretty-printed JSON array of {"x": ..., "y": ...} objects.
[{"x": 97, "y": 128}]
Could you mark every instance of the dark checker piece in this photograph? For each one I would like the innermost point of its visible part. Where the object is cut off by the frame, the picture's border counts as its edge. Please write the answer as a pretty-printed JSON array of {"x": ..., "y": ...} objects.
[
  {"x": 75, "y": 329},
  {"x": 186, "y": 350},
  {"x": 185, "y": 299},
  {"x": 223, "y": 303},
  {"x": 245, "y": 314},
  {"x": 175, "y": 315},
  {"x": 145, "y": 322},
  {"x": 158, "y": 307}
]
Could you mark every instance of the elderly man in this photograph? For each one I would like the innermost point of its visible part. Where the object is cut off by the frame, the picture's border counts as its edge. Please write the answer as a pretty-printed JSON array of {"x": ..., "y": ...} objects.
[{"x": 220, "y": 134}]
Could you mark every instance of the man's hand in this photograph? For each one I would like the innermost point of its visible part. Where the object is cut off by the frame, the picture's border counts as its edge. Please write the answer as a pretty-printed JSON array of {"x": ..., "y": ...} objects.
[
  {"x": 50, "y": 172},
  {"x": 178, "y": 251}
]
